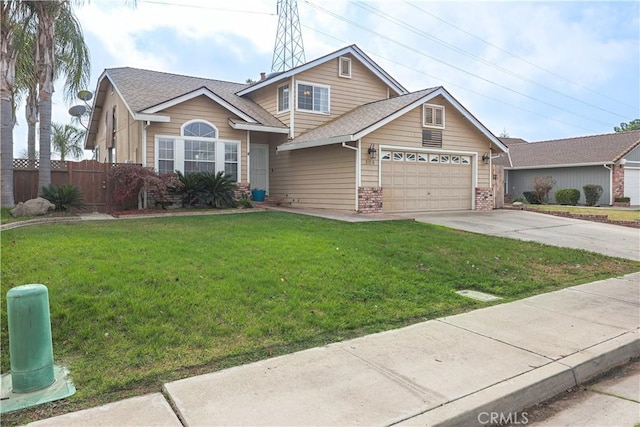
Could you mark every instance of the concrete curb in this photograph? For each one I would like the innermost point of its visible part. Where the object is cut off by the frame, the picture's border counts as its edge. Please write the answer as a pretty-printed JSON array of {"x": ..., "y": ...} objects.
[{"x": 508, "y": 398}]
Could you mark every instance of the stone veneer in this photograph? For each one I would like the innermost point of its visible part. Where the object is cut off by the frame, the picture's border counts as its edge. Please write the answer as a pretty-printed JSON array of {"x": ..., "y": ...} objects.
[
  {"x": 484, "y": 199},
  {"x": 369, "y": 199},
  {"x": 241, "y": 187},
  {"x": 618, "y": 182}
]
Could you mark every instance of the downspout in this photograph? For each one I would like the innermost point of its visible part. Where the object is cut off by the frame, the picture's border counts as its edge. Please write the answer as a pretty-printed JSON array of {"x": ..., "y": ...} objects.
[
  {"x": 144, "y": 143},
  {"x": 357, "y": 150},
  {"x": 610, "y": 183},
  {"x": 248, "y": 159}
]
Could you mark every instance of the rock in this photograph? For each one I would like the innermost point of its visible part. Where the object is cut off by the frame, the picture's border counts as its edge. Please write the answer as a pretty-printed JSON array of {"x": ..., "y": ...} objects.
[{"x": 33, "y": 207}]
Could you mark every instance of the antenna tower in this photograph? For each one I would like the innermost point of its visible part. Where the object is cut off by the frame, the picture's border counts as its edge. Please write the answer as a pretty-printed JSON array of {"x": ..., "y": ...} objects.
[{"x": 288, "y": 51}]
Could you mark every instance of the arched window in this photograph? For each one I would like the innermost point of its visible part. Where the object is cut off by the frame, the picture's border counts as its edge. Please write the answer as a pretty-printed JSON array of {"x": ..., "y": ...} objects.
[{"x": 199, "y": 128}]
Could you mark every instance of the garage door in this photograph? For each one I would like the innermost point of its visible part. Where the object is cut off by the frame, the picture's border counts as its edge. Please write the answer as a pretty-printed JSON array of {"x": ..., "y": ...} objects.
[
  {"x": 632, "y": 185},
  {"x": 425, "y": 181}
]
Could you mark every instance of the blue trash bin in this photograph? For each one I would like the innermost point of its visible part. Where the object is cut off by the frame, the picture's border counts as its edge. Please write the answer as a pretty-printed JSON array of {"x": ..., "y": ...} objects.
[{"x": 258, "y": 195}]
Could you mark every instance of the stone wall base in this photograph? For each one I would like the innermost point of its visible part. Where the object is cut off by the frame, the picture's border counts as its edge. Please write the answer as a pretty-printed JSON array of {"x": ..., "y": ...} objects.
[{"x": 369, "y": 199}]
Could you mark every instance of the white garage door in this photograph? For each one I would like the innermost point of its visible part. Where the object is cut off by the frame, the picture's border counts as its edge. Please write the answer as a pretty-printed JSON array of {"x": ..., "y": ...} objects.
[
  {"x": 632, "y": 185},
  {"x": 425, "y": 182}
]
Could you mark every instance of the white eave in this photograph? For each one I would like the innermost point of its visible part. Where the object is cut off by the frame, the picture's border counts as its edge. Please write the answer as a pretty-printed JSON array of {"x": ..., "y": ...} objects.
[
  {"x": 315, "y": 143},
  {"x": 151, "y": 118},
  {"x": 257, "y": 127}
]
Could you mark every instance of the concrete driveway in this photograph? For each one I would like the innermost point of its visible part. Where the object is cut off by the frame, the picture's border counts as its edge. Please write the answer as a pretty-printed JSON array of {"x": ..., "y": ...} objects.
[{"x": 608, "y": 239}]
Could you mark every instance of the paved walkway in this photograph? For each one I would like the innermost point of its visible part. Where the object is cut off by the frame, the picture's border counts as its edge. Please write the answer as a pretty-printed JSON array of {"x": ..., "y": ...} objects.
[{"x": 448, "y": 371}]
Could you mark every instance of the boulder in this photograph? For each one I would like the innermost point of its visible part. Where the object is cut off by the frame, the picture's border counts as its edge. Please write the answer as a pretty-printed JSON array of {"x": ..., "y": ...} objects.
[{"x": 33, "y": 207}]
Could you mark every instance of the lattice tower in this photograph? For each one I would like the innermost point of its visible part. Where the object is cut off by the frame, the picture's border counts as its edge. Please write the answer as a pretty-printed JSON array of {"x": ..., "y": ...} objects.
[{"x": 288, "y": 51}]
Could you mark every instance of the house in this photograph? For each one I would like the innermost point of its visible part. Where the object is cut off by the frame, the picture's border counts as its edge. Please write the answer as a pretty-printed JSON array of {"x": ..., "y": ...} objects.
[
  {"x": 611, "y": 160},
  {"x": 336, "y": 133}
]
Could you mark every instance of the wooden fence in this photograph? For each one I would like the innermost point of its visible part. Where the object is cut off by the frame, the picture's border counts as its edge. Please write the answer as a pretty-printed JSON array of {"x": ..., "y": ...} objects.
[{"x": 90, "y": 176}]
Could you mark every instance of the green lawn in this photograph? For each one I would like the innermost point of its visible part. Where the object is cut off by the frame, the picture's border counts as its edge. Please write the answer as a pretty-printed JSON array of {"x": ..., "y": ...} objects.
[
  {"x": 613, "y": 213},
  {"x": 138, "y": 302}
]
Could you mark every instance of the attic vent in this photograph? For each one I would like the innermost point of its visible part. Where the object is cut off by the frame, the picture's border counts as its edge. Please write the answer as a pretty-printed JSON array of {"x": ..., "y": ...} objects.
[{"x": 432, "y": 138}]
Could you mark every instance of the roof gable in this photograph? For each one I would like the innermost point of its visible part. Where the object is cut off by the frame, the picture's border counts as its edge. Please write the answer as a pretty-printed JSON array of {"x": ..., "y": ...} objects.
[
  {"x": 579, "y": 151},
  {"x": 367, "y": 118},
  {"x": 353, "y": 50}
]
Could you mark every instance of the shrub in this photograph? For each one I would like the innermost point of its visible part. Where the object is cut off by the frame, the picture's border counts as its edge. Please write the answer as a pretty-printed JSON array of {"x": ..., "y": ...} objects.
[
  {"x": 532, "y": 198},
  {"x": 542, "y": 185},
  {"x": 190, "y": 189},
  {"x": 622, "y": 199},
  {"x": 567, "y": 196},
  {"x": 131, "y": 182},
  {"x": 63, "y": 196},
  {"x": 592, "y": 194},
  {"x": 217, "y": 189}
]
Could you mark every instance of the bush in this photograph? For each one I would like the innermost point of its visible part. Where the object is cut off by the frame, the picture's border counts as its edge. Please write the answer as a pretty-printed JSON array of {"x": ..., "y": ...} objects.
[
  {"x": 190, "y": 189},
  {"x": 592, "y": 194},
  {"x": 132, "y": 181},
  {"x": 63, "y": 196},
  {"x": 217, "y": 189},
  {"x": 532, "y": 198},
  {"x": 542, "y": 185},
  {"x": 622, "y": 199},
  {"x": 567, "y": 196}
]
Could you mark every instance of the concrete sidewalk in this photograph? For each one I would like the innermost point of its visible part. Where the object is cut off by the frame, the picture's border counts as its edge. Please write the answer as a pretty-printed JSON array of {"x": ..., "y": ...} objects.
[{"x": 447, "y": 371}]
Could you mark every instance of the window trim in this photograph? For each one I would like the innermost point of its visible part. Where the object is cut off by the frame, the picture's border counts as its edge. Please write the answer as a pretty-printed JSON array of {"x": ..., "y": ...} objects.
[
  {"x": 313, "y": 85},
  {"x": 341, "y": 61},
  {"x": 179, "y": 147},
  {"x": 433, "y": 107},
  {"x": 278, "y": 109}
]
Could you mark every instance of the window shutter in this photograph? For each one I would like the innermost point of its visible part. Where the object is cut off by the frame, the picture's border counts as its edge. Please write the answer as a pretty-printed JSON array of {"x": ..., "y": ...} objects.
[{"x": 109, "y": 133}]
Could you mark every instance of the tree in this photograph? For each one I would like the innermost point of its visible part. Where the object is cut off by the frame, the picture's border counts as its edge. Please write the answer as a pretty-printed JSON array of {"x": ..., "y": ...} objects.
[
  {"x": 626, "y": 127},
  {"x": 11, "y": 15},
  {"x": 67, "y": 141}
]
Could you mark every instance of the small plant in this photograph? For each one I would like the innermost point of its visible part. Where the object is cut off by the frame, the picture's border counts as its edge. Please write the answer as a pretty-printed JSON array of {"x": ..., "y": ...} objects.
[
  {"x": 244, "y": 201},
  {"x": 531, "y": 197},
  {"x": 217, "y": 189},
  {"x": 567, "y": 196},
  {"x": 542, "y": 185},
  {"x": 520, "y": 200},
  {"x": 592, "y": 194},
  {"x": 63, "y": 197}
]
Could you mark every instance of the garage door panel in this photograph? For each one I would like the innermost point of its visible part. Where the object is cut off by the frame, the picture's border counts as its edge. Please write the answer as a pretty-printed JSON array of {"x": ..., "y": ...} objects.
[{"x": 418, "y": 186}]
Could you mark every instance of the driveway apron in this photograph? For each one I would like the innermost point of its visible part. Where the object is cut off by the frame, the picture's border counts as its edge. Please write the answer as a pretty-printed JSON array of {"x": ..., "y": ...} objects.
[{"x": 607, "y": 239}]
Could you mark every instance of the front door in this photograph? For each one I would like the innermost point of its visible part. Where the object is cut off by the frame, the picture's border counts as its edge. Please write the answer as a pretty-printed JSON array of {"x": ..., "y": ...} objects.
[{"x": 259, "y": 175}]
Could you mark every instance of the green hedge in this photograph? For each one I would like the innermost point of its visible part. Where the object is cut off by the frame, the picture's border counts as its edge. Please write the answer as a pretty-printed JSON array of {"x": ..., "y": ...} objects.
[{"x": 567, "y": 196}]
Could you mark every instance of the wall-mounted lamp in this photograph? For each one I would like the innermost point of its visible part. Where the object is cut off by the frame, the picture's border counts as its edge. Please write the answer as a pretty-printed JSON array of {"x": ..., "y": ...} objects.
[
  {"x": 485, "y": 157},
  {"x": 372, "y": 151}
]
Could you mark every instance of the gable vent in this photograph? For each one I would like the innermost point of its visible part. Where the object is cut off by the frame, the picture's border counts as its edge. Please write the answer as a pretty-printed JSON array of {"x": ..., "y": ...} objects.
[{"x": 432, "y": 138}]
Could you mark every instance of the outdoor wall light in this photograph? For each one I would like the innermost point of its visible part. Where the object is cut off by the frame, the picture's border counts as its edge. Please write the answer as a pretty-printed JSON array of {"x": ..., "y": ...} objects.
[
  {"x": 372, "y": 151},
  {"x": 485, "y": 157}
]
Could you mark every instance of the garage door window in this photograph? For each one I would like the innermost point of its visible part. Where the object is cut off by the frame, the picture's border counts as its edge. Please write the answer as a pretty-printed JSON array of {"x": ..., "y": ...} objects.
[
  {"x": 398, "y": 157},
  {"x": 434, "y": 158}
]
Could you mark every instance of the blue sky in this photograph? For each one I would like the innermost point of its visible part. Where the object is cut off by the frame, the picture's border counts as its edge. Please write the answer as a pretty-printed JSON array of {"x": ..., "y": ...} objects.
[{"x": 535, "y": 70}]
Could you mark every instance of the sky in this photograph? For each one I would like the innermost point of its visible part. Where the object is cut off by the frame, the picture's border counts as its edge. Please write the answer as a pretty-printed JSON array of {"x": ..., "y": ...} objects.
[{"x": 532, "y": 70}]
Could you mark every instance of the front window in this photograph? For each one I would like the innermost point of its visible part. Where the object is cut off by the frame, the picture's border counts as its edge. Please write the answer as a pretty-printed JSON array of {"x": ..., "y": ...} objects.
[
  {"x": 313, "y": 98},
  {"x": 198, "y": 150}
]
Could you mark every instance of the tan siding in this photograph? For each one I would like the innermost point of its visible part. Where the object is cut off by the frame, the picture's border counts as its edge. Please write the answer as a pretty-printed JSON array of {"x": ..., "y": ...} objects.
[
  {"x": 267, "y": 99},
  {"x": 200, "y": 108},
  {"x": 127, "y": 138},
  {"x": 314, "y": 178}
]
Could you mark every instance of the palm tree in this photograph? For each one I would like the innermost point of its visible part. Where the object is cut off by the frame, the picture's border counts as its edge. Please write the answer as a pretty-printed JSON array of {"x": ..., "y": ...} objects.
[
  {"x": 67, "y": 141},
  {"x": 71, "y": 62},
  {"x": 11, "y": 15}
]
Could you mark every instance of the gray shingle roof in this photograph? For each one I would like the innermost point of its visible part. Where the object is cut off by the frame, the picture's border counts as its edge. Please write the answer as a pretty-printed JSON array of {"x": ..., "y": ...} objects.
[
  {"x": 143, "y": 89},
  {"x": 360, "y": 118},
  {"x": 594, "y": 149}
]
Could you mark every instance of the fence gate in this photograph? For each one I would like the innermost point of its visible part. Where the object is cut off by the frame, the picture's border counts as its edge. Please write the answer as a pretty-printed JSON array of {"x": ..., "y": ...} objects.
[{"x": 90, "y": 177}]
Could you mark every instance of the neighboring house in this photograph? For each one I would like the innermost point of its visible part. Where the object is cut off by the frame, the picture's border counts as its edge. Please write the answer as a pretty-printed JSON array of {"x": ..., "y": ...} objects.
[
  {"x": 336, "y": 133},
  {"x": 611, "y": 160}
]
